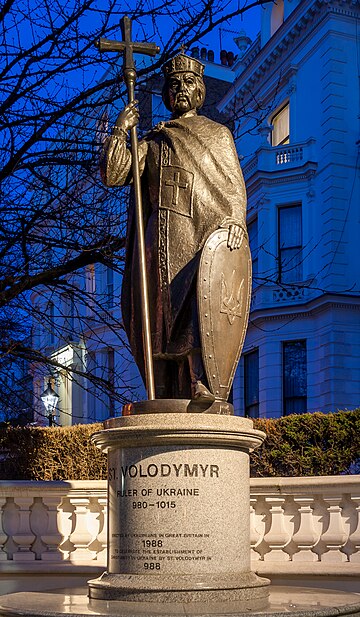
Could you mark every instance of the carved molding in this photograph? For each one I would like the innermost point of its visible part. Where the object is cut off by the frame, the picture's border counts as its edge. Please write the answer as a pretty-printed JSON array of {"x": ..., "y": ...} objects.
[{"x": 260, "y": 60}]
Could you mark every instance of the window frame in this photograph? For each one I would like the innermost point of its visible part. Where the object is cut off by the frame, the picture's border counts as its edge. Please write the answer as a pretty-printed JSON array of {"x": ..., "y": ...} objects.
[
  {"x": 51, "y": 312},
  {"x": 286, "y": 400},
  {"x": 255, "y": 405},
  {"x": 109, "y": 288},
  {"x": 285, "y": 140},
  {"x": 281, "y": 248}
]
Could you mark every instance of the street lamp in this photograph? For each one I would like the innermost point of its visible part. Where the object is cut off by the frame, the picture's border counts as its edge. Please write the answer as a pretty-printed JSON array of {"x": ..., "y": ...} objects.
[{"x": 50, "y": 400}]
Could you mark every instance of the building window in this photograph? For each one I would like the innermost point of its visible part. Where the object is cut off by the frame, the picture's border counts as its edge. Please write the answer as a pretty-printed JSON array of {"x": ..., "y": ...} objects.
[
  {"x": 69, "y": 316},
  {"x": 90, "y": 289},
  {"x": 109, "y": 288},
  {"x": 281, "y": 126},
  {"x": 254, "y": 248},
  {"x": 294, "y": 377},
  {"x": 251, "y": 384},
  {"x": 105, "y": 287},
  {"x": 277, "y": 16},
  {"x": 90, "y": 279},
  {"x": 51, "y": 336},
  {"x": 290, "y": 244},
  {"x": 111, "y": 380}
]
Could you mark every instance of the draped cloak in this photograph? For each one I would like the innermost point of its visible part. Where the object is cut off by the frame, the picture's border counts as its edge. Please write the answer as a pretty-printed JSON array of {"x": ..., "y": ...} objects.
[{"x": 192, "y": 185}]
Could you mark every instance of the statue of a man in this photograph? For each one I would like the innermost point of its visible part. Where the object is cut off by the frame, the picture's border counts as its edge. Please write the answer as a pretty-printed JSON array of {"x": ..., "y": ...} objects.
[{"x": 192, "y": 185}]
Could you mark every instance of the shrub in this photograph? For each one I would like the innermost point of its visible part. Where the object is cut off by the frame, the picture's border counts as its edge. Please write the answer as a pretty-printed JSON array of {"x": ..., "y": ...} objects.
[
  {"x": 312, "y": 444},
  {"x": 56, "y": 453},
  {"x": 307, "y": 445}
]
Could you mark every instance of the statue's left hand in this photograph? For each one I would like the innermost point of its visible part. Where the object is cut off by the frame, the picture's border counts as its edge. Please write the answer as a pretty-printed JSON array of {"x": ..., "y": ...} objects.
[{"x": 235, "y": 237}]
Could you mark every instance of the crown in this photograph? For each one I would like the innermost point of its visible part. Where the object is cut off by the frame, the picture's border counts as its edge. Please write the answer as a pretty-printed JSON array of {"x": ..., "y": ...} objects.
[{"x": 183, "y": 64}]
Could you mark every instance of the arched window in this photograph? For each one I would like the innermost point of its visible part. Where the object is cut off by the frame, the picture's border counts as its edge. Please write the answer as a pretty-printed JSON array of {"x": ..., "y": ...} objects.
[{"x": 277, "y": 16}]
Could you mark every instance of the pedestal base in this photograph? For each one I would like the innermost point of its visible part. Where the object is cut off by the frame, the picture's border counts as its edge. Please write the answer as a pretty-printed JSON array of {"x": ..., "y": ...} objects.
[
  {"x": 292, "y": 601},
  {"x": 248, "y": 589},
  {"x": 179, "y": 509},
  {"x": 219, "y": 407}
]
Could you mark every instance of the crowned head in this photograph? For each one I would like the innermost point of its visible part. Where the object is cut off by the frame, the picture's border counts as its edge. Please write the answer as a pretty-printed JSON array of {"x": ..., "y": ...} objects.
[{"x": 184, "y": 88}]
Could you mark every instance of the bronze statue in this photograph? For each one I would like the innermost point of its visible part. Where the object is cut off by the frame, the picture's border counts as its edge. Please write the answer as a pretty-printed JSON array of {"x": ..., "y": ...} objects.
[{"x": 197, "y": 255}]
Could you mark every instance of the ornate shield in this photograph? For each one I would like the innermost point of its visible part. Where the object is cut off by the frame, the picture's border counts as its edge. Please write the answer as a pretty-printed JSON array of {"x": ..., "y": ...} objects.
[{"x": 224, "y": 289}]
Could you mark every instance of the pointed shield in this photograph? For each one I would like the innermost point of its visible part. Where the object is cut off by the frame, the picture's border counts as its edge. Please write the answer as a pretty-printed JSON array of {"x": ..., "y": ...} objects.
[{"x": 224, "y": 289}]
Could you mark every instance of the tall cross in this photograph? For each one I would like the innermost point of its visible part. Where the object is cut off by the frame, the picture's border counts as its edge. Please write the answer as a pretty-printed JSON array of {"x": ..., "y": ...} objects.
[{"x": 128, "y": 48}]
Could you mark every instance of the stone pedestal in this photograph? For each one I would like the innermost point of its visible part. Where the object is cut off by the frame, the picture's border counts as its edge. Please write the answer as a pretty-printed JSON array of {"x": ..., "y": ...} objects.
[{"x": 179, "y": 509}]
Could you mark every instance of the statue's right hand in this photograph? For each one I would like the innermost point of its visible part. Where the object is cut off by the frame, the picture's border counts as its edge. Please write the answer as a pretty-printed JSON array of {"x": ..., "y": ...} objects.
[{"x": 129, "y": 116}]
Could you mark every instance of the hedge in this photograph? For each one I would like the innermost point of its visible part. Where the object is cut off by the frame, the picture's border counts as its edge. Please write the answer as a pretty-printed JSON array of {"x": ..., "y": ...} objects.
[
  {"x": 306, "y": 445},
  {"x": 66, "y": 453},
  {"x": 312, "y": 444}
]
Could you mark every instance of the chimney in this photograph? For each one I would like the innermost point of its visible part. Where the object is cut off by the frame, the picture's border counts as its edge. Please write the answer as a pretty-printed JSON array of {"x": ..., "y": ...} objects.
[{"x": 223, "y": 57}]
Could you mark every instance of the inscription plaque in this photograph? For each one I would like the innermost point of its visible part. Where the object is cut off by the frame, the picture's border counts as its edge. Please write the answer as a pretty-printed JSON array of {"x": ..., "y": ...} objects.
[{"x": 175, "y": 509}]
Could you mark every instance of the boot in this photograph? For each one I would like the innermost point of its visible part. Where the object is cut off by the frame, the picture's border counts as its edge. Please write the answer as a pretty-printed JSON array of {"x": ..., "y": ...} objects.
[{"x": 199, "y": 392}]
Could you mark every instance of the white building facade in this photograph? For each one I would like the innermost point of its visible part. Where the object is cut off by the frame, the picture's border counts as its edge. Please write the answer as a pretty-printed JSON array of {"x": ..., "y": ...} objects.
[
  {"x": 93, "y": 373},
  {"x": 296, "y": 97}
]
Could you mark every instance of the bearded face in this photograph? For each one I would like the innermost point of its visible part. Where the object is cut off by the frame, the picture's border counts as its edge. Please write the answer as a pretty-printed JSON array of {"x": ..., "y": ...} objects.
[{"x": 183, "y": 92}]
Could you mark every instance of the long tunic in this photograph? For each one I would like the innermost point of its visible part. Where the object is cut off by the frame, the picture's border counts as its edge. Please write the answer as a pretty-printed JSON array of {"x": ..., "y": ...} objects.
[{"x": 192, "y": 185}]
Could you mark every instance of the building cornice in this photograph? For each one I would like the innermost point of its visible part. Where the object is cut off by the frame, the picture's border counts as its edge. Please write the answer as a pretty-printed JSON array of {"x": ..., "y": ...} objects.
[
  {"x": 307, "y": 309},
  {"x": 306, "y": 13},
  {"x": 261, "y": 178}
]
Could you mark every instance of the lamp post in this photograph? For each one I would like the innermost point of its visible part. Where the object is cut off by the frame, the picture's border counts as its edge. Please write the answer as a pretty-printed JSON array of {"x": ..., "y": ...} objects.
[{"x": 50, "y": 400}]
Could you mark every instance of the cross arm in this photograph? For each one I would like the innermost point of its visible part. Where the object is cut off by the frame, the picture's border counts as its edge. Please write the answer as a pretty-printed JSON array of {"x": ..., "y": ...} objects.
[
  {"x": 127, "y": 46},
  {"x": 148, "y": 49}
]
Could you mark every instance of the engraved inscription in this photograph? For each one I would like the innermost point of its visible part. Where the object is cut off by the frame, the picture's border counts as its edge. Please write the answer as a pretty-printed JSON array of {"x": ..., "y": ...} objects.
[
  {"x": 148, "y": 491},
  {"x": 163, "y": 510},
  {"x": 152, "y": 549},
  {"x": 181, "y": 470}
]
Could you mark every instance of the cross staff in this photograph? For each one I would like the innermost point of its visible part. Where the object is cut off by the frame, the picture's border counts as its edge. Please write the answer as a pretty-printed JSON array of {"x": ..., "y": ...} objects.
[{"x": 128, "y": 48}]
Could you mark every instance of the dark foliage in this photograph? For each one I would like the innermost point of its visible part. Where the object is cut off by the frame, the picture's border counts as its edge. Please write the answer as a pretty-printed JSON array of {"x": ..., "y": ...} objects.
[
  {"x": 313, "y": 444},
  {"x": 307, "y": 445}
]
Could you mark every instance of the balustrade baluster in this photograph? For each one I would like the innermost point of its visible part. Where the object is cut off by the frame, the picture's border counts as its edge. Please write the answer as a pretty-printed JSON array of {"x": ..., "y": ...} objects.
[
  {"x": 52, "y": 537},
  {"x": 306, "y": 537},
  {"x": 24, "y": 536},
  {"x": 334, "y": 537},
  {"x": 278, "y": 536},
  {"x": 66, "y": 513},
  {"x": 81, "y": 537},
  {"x": 355, "y": 536},
  {"x": 102, "y": 535},
  {"x": 255, "y": 538}
]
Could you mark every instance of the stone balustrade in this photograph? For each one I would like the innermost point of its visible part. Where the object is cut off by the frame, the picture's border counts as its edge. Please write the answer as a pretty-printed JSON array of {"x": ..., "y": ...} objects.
[
  {"x": 275, "y": 158},
  {"x": 306, "y": 520},
  {"x": 308, "y": 525},
  {"x": 268, "y": 295}
]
